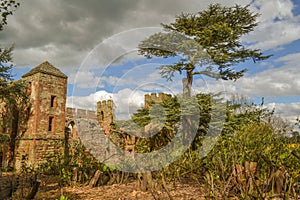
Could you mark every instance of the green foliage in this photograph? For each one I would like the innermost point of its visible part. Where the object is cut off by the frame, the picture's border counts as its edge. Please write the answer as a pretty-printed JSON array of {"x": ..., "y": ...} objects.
[
  {"x": 167, "y": 124},
  {"x": 162, "y": 120},
  {"x": 10, "y": 92},
  {"x": 78, "y": 167},
  {"x": 248, "y": 136},
  {"x": 108, "y": 168},
  {"x": 240, "y": 112},
  {"x": 254, "y": 142},
  {"x": 7, "y": 88},
  {"x": 4, "y": 138},
  {"x": 7, "y": 7},
  {"x": 5, "y": 57},
  {"x": 141, "y": 117},
  {"x": 206, "y": 43},
  {"x": 62, "y": 197},
  {"x": 296, "y": 132}
]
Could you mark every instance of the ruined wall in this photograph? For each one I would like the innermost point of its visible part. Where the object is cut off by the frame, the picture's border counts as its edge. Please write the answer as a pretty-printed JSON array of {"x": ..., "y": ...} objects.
[
  {"x": 12, "y": 119},
  {"x": 75, "y": 113},
  {"x": 5, "y": 125},
  {"x": 4, "y": 128},
  {"x": 48, "y": 117},
  {"x": 72, "y": 113},
  {"x": 48, "y": 99},
  {"x": 31, "y": 152},
  {"x": 105, "y": 115},
  {"x": 106, "y": 118},
  {"x": 155, "y": 98},
  {"x": 46, "y": 123}
]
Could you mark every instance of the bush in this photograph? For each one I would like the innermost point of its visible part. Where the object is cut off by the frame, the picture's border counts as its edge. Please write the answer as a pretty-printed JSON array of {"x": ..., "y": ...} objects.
[
  {"x": 76, "y": 168},
  {"x": 258, "y": 144}
]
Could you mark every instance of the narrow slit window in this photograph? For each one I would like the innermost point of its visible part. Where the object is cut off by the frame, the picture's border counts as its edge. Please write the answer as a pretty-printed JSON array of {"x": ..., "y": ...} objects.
[
  {"x": 53, "y": 102},
  {"x": 102, "y": 116},
  {"x": 51, "y": 124}
]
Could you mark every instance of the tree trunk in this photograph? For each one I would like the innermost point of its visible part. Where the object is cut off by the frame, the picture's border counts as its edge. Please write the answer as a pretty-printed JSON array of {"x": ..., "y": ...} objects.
[
  {"x": 95, "y": 179},
  {"x": 13, "y": 136},
  {"x": 187, "y": 83},
  {"x": 66, "y": 146},
  {"x": 145, "y": 181},
  {"x": 34, "y": 189},
  {"x": 75, "y": 175},
  {"x": 187, "y": 87}
]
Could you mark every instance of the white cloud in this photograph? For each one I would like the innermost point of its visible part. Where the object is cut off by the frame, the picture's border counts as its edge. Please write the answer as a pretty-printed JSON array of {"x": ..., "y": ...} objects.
[
  {"x": 126, "y": 101},
  {"x": 275, "y": 84},
  {"x": 271, "y": 35},
  {"x": 117, "y": 49},
  {"x": 272, "y": 9},
  {"x": 84, "y": 79},
  {"x": 145, "y": 77},
  {"x": 277, "y": 24},
  {"x": 88, "y": 102},
  {"x": 292, "y": 60},
  {"x": 282, "y": 81},
  {"x": 33, "y": 56},
  {"x": 288, "y": 111}
]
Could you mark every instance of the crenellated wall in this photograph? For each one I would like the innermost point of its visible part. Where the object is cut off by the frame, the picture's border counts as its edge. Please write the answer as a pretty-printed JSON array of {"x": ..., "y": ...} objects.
[
  {"x": 76, "y": 113},
  {"x": 80, "y": 113},
  {"x": 155, "y": 98},
  {"x": 105, "y": 115},
  {"x": 48, "y": 119}
]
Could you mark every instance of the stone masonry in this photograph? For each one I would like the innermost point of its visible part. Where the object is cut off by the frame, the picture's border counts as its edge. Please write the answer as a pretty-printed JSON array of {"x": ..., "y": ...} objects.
[
  {"x": 153, "y": 98},
  {"x": 105, "y": 115},
  {"x": 49, "y": 118},
  {"x": 47, "y": 88}
]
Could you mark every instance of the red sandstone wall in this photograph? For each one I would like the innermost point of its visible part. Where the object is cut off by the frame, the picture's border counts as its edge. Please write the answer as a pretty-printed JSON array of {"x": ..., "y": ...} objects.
[{"x": 38, "y": 141}]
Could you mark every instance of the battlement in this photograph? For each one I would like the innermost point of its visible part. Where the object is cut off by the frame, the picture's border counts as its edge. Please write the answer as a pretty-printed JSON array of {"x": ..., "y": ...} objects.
[
  {"x": 105, "y": 114},
  {"x": 105, "y": 104},
  {"x": 80, "y": 113},
  {"x": 155, "y": 98}
]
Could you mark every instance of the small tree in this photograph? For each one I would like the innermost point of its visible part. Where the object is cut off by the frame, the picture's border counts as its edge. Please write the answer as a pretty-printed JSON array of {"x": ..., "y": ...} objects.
[
  {"x": 12, "y": 94},
  {"x": 8, "y": 90},
  {"x": 209, "y": 43},
  {"x": 7, "y": 7}
]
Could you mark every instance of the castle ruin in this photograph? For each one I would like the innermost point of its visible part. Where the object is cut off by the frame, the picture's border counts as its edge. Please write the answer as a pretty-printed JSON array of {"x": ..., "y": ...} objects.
[{"x": 42, "y": 126}]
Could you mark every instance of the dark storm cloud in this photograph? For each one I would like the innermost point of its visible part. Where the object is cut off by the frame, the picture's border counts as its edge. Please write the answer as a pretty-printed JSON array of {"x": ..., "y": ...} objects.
[
  {"x": 71, "y": 22},
  {"x": 65, "y": 30}
]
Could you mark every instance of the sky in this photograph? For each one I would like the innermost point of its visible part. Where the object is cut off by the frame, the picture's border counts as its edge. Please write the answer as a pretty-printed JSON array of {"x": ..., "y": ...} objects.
[{"x": 94, "y": 42}]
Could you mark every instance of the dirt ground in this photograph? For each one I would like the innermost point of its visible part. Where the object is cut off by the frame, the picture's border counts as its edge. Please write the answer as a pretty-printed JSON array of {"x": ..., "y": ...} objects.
[
  {"x": 182, "y": 191},
  {"x": 50, "y": 190}
]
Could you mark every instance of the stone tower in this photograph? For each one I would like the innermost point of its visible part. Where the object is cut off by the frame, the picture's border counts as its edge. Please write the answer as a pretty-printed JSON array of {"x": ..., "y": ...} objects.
[
  {"x": 47, "y": 88},
  {"x": 105, "y": 115},
  {"x": 155, "y": 98}
]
